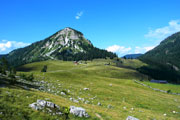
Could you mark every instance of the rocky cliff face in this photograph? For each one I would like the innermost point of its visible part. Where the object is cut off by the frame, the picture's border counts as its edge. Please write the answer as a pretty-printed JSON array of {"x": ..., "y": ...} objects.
[{"x": 67, "y": 38}]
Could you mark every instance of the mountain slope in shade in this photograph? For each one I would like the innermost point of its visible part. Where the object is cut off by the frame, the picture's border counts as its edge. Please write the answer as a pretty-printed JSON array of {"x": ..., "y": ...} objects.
[
  {"x": 165, "y": 57},
  {"x": 66, "y": 44}
]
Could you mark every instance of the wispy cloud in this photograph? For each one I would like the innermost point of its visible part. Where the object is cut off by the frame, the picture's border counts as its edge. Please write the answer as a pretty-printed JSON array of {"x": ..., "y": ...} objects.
[
  {"x": 143, "y": 49},
  {"x": 78, "y": 15},
  {"x": 163, "y": 32},
  {"x": 122, "y": 50},
  {"x": 119, "y": 49},
  {"x": 7, "y": 46}
]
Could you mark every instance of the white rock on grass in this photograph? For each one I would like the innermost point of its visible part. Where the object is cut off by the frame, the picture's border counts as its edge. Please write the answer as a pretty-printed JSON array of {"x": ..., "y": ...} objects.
[
  {"x": 86, "y": 102},
  {"x": 131, "y": 118},
  {"x": 86, "y": 88},
  {"x": 76, "y": 101},
  {"x": 50, "y": 104},
  {"x": 174, "y": 111},
  {"x": 62, "y": 93},
  {"x": 109, "y": 106},
  {"x": 78, "y": 111},
  {"x": 35, "y": 106},
  {"x": 124, "y": 107},
  {"x": 43, "y": 105},
  {"x": 99, "y": 104},
  {"x": 71, "y": 99},
  {"x": 40, "y": 104}
]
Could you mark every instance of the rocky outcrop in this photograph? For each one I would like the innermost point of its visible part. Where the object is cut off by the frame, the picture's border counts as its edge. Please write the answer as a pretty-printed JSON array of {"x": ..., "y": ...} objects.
[
  {"x": 54, "y": 109},
  {"x": 78, "y": 111},
  {"x": 46, "y": 106}
]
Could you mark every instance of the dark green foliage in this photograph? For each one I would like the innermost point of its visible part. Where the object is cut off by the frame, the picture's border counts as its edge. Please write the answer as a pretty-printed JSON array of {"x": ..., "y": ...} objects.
[
  {"x": 29, "y": 77},
  {"x": 13, "y": 70},
  {"x": 169, "y": 91},
  {"x": 44, "y": 69},
  {"x": 13, "y": 78},
  {"x": 65, "y": 92},
  {"x": 163, "y": 60},
  {"x": 4, "y": 65},
  {"x": 22, "y": 76}
]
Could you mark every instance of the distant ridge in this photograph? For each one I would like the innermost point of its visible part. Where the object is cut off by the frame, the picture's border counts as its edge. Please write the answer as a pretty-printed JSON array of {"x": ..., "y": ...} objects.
[
  {"x": 132, "y": 56},
  {"x": 3, "y": 55}
]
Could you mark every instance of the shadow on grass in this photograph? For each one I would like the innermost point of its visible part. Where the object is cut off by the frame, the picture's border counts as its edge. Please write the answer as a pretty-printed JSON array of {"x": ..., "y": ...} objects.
[
  {"x": 161, "y": 73},
  {"x": 25, "y": 69},
  {"x": 7, "y": 82}
]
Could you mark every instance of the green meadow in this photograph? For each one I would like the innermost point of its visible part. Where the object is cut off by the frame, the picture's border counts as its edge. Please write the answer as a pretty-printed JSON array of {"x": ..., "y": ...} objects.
[{"x": 112, "y": 86}]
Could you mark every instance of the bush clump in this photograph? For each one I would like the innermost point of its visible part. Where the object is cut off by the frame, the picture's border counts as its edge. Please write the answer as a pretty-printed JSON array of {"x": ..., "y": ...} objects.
[
  {"x": 27, "y": 77},
  {"x": 44, "y": 69},
  {"x": 169, "y": 91}
]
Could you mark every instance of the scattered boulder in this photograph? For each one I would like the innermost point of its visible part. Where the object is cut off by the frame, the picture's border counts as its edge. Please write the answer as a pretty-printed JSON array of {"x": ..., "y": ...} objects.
[
  {"x": 99, "y": 104},
  {"x": 78, "y": 111},
  {"x": 74, "y": 100},
  {"x": 131, "y": 118},
  {"x": 109, "y": 106},
  {"x": 46, "y": 106},
  {"x": 86, "y": 88},
  {"x": 35, "y": 106},
  {"x": 174, "y": 111},
  {"x": 41, "y": 103},
  {"x": 63, "y": 93},
  {"x": 87, "y": 102}
]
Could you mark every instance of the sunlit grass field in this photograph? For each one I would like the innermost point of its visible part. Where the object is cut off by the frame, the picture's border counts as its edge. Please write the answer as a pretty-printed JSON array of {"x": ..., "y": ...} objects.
[{"x": 110, "y": 85}]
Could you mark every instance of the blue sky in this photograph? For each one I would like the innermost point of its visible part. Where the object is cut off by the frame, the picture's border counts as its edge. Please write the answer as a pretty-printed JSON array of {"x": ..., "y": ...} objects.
[{"x": 121, "y": 26}]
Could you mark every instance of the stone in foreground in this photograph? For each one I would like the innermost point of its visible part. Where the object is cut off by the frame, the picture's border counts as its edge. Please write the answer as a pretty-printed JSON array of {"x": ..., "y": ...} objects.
[
  {"x": 131, "y": 118},
  {"x": 78, "y": 111},
  {"x": 47, "y": 106}
]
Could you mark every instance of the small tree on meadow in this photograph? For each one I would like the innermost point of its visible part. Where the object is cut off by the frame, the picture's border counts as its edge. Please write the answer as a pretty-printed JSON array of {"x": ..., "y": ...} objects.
[{"x": 44, "y": 69}]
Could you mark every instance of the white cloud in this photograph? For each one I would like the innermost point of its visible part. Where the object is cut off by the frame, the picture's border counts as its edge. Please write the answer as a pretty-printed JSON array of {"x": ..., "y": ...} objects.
[
  {"x": 163, "y": 32},
  {"x": 7, "y": 46},
  {"x": 121, "y": 50},
  {"x": 118, "y": 49},
  {"x": 78, "y": 15},
  {"x": 143, "y": 49}
]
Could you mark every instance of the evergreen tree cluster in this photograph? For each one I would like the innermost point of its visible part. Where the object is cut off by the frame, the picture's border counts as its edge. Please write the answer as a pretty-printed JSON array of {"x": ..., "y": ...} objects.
[
  {"x": 7, "y": 69},
  {"x": 164, "y": 60},
  {"x": 89, "y": 54}
]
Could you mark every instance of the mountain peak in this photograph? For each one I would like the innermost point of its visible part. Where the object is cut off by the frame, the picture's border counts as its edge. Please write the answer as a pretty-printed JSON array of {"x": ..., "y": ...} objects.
[
  {"x": 66, "y": 44},
  {"x": 68, "y": 34}
]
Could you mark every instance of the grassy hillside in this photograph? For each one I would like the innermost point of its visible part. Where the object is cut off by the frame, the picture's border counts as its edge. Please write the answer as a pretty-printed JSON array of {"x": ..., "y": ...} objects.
[{"x": 112, "y": 86}]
